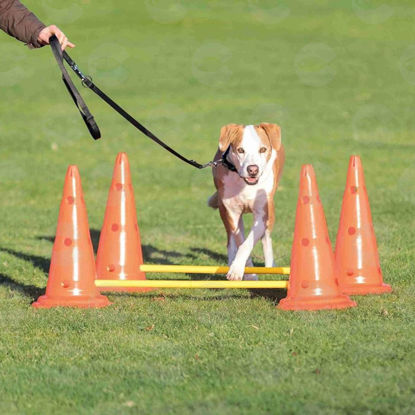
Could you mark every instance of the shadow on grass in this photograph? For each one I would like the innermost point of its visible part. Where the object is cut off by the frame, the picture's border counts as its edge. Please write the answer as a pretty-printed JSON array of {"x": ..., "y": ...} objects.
[
  {"x": 151, "y": 254},
  {"x": 154, "y": 255},
  {"x": 275, "y": 295},
  {"x": 215, "y": 256},
  {"x": 37, "y": 261},
  {"x": 27, "y": 290},
  {"x": 217, "y": 294}
]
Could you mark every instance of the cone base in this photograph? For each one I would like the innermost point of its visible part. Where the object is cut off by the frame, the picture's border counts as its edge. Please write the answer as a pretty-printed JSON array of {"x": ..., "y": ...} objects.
[
  {"x": 338, "y": 302},
  {"x": 363, "y": 289},
  {"x": 83, "y": 302}
]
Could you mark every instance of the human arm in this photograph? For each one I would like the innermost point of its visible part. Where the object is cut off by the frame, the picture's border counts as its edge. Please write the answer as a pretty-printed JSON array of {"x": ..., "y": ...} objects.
[{"x": 21, "y": 23}]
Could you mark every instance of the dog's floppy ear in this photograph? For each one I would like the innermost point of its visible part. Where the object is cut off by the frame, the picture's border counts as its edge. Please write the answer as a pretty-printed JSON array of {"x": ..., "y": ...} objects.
[
  {"x": 229, "y": 134},
  {"x": 273, "y": 131}
]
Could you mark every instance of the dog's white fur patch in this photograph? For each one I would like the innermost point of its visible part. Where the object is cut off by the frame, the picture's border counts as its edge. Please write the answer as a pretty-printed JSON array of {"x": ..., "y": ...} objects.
[{"x": 251, "y": 144}]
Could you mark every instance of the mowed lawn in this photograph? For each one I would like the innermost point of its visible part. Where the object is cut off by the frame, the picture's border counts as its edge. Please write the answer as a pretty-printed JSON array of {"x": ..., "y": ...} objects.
[{"x": 339, "y": 77}]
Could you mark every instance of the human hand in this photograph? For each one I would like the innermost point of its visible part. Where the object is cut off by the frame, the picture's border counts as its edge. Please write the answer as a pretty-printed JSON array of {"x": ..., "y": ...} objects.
[{"x": 49, "y": 31}]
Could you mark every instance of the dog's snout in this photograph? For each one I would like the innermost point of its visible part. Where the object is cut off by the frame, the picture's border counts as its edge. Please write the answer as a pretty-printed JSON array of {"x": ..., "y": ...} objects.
[{"x": 252, "y": 169}]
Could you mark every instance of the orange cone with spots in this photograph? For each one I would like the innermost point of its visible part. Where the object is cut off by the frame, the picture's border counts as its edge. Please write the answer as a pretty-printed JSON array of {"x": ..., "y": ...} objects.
[
  {"x": 313, "y": 283},
  {"x": 72, "y": 274},
  {"x": 356, "y": 254},
  {"x": 119, "y": 252}
]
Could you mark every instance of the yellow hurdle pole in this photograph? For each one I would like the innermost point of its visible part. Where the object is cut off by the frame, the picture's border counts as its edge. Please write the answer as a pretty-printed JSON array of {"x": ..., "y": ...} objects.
[
  {"x": 197, "y": 269},
  {"x": 191, "y": 284}
]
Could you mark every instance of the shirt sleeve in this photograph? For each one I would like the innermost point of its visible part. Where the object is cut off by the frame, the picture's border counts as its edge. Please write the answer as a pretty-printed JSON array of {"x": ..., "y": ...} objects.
[{"x": 19, "y": 22}]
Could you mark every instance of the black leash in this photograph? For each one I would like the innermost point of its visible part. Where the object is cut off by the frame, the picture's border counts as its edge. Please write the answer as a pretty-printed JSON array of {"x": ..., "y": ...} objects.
[{"x": 89, "y": 119}]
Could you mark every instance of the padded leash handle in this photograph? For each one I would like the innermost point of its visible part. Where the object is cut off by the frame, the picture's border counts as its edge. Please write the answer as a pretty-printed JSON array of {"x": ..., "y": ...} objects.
[{"x": 76, "y": 96}]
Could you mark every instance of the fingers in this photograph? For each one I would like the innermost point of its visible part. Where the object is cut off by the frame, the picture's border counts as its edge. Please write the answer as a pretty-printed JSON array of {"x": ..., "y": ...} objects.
[
  {"x": 64, "y": 43},
  {"x": 63, "y": 40}
]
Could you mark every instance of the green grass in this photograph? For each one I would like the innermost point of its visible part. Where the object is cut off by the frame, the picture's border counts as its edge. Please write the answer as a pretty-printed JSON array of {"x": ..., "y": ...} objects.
[{"x": 338, "y": 77}]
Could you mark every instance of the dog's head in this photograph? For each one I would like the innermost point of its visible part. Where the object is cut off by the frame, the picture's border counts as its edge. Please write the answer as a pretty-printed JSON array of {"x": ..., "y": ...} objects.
[{"x": 250, "y": 147}]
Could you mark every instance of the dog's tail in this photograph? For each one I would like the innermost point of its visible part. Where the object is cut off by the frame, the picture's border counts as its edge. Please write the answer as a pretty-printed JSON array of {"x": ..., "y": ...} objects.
[{"x": 213, "y": 201}]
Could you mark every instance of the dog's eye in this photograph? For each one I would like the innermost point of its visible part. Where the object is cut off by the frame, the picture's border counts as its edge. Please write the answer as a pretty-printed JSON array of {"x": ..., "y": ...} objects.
[
  {"x": 241, "y": 150},
  {"x": 262, "y": 149}
]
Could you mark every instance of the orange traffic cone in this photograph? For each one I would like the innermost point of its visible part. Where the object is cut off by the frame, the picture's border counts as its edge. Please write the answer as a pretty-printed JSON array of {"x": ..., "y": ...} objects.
[
  {"x": 119, "y": 251},
  {"x": 71, "y": 281},
  {"x": 356, "y": 254},
  {"x": 313, "y": 284}
]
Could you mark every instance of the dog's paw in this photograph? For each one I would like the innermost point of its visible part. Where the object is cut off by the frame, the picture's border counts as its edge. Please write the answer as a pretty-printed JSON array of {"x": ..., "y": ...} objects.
[{"x": 236, "y": 272}]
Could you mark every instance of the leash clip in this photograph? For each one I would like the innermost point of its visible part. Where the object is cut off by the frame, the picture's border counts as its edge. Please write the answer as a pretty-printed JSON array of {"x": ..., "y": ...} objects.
[
  {"x": 211, "y": 164},
  {"x": 85, "y": 80},
  {"x": 215, "y": 163}
]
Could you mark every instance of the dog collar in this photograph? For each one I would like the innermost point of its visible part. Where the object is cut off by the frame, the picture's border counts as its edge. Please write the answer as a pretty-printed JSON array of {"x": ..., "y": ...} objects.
[{"x": 225, "y": 162}]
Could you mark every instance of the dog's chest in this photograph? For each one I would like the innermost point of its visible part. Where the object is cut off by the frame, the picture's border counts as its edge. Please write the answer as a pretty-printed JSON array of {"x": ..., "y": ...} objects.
[{"x": 237, "y": 195}]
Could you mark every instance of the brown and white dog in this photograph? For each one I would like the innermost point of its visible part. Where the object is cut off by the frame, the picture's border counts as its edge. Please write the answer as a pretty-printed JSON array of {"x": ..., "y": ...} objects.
[{"x": 256, "y": 155}]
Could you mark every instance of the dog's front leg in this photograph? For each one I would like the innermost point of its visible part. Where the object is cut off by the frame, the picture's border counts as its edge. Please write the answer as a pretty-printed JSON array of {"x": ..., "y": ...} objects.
[
  {"x": 236, "y": 271},
  {"x": 235, "y": 240},
  {"x": 232, "y": 219},
  {"x": 267, "y": 248}
]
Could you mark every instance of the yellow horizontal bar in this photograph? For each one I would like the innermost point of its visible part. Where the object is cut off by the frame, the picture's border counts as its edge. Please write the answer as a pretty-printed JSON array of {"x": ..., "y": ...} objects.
[
  {"x": 191, "y": 284},
  {"x": 197, "y": 269}
]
